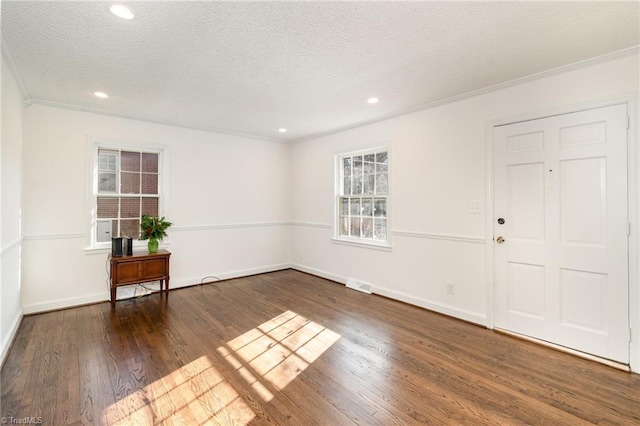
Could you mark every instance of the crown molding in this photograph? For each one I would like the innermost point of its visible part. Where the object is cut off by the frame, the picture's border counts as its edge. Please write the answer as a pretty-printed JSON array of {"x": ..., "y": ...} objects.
[
  {"x": 634, "y": 50},
  {"x": 135, "y": 117}
]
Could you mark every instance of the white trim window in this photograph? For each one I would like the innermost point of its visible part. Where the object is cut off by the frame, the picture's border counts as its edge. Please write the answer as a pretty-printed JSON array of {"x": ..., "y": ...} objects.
[
  {"x": 127, "y": 184},
  {"x": 363, "y": 196}
]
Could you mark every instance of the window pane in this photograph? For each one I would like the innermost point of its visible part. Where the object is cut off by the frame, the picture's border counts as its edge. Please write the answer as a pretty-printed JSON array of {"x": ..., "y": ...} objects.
[
  {"x": 369, "y": 157},
  {"x": 367, "y": 228},
  {"x": 380, "y": 207},
  {"x": 149, "y": 183},
  {"x": 344, "y": 207},
  {"x": 344, "y": 226},
  {"x": 367, "y": 207},
  {"x": 355, "y": 206},
  {"x": 130, "y": 228},
  {"x": 130, "y": 161},
  {"x": 369, "y": 167},
  {"x": 129, "y": 183},
  {"x": 107, "y": 207},
  {"x": 355, "y": 227},
  {"x": 114, "y": 228},
  {"x": 107, "y": 182},
  {"x": 346, "y": 167},
  {"x": 356, "y": 182},
  {"x": 107, "y": 160},
  {"x": 103, "y": 233},
  {"x": 382, "y": 168},
  {"x": 347, "y": 186},
  {"x": 381, "y": 157},
  {"x": 130, "y": 207},
  {"x": 149, "y": 206},
  {"x": 380, "y": 229},
  {"x": 382, "y": 183},
  {"x": 368, "y": 184},
  {"x": 149, "y": 162},
  {"x": 368, "y": 179}
]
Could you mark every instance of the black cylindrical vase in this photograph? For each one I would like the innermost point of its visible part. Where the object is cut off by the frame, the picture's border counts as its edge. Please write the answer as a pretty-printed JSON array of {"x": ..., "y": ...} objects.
[{"x": 116, "y": 247}]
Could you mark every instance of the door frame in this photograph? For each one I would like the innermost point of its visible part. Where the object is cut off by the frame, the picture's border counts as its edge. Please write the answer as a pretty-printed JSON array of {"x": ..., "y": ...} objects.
[{"x": 633, "y": 191}]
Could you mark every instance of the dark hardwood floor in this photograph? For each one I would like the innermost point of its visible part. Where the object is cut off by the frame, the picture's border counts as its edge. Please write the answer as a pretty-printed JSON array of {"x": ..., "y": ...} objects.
[{"x": 290, "y": 348}]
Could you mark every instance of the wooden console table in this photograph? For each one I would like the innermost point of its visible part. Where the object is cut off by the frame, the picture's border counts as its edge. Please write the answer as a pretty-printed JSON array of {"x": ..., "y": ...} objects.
[{"x": 140, "y": 268}]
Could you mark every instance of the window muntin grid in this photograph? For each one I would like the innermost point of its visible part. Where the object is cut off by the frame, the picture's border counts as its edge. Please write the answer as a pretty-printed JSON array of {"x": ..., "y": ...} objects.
[
  {"x": 127, "y": 188},
  {"x": 363, "y": 196}
]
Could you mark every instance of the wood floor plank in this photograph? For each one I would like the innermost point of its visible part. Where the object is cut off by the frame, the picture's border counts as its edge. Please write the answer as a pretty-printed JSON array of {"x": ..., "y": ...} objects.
[{"x": 287, "y": 348}]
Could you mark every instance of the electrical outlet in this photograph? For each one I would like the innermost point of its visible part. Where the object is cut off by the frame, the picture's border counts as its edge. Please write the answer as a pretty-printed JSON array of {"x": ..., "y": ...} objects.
[{"x": 451, "y": 288}]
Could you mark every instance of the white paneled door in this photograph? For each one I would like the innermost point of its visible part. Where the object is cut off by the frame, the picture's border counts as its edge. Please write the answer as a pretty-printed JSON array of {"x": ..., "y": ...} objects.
[{"x": 561, "y": 230}]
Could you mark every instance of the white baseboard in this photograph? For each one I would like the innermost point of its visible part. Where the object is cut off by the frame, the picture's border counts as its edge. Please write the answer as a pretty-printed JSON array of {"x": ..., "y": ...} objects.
[
  {"x": 402, "y": 297},
  {"x": 187, "y": 282},
  {"x": 173, "y": 284},
  {"x": 319, "y": 273},
  {"x": 441, "y": 308},
  {"x": 6, "y": 343},
  {"x": 65, "y": 303}
]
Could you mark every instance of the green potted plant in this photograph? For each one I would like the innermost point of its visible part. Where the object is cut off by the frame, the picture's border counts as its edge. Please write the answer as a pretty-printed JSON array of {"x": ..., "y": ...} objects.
[{"x": 153, "y": 228}]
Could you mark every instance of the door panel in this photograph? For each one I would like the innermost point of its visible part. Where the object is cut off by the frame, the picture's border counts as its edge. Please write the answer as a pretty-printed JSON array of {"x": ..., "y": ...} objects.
[
  {"x": 584, "y": 189},
  {"x": 561, "y": 274},
  {"x": 526, "y": 201},
  {"x": 583, "y": 134},
  {"x": 526, "y": 142},
  {"x": 526, "y": 290},
  {"x": 582, "y": 296}
]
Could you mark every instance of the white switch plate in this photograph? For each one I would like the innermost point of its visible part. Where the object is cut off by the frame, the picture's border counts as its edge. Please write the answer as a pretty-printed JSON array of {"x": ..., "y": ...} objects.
[
  {"x": 451, "y": 288},
  {"x": 474, "y": 207}
]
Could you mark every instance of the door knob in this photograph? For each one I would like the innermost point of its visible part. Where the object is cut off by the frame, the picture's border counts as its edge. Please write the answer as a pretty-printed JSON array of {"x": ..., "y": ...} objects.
[{"x": 500, "y": 240}]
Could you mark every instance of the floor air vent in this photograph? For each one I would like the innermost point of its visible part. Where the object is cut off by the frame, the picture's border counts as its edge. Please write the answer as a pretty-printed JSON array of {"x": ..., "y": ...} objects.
[{"x": 359, "y": 285}]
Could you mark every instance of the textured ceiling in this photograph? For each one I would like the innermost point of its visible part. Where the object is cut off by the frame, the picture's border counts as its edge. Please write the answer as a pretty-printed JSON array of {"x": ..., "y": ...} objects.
[{"x": 252, "y": 67}]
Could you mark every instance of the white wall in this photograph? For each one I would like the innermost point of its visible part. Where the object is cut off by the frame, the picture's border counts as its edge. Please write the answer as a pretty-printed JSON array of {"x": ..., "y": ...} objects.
[
  {"x": 235, "y": 221},
  {"x": 10, "y": 237},
  {"x": 437, "y": 168},
  {"x": 228, "y": 197}
]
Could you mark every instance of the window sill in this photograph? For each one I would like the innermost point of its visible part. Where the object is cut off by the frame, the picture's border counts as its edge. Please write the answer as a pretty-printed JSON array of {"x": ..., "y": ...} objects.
[
  {"x": 136, "y": 248},
  {"x": 372, "y": 245}
]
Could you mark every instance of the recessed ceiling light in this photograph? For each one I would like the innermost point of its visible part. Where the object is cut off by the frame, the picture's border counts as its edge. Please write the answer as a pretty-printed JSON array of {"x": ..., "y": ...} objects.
[
  {"x": 100, "y": 95},
  {"x": 373, "y": 100},
  {"x": 121, "y": 11},
  {"x": 282, "y": 130}
]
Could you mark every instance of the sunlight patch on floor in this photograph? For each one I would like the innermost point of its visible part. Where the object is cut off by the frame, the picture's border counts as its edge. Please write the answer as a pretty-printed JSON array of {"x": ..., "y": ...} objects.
[
  {"x": 267, "y": 357},
  {"x": 271, "y": 355},
  {"x": 195, "y": 394}
]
